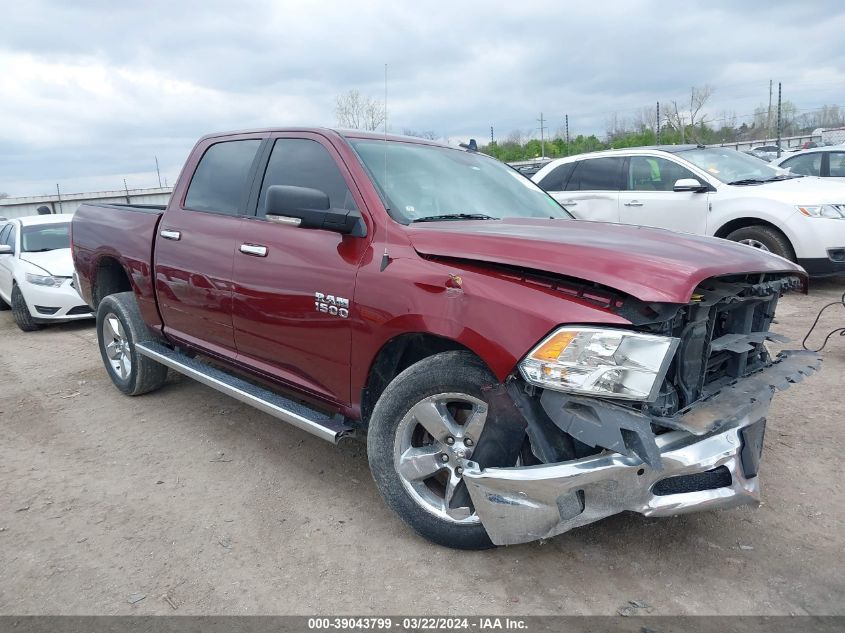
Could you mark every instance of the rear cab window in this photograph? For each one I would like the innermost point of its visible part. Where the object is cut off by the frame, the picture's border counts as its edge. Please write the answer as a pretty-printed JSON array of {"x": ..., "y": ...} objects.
[{"x": 219, "y": 184}]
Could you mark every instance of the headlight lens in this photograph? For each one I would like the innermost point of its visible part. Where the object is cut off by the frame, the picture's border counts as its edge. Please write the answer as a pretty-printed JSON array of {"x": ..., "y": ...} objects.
[
  {"x": 46, "y": 280},
  {"x": 832, "y": 211},
  {"x": 600, "y": 362}
]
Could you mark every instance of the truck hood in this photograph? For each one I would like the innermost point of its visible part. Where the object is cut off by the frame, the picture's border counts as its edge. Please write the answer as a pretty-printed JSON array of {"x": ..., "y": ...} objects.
[
  {"x": 808, "y": 190},
  {"x": 650, "y": 264},
  {"x": 56, "y": 262}
]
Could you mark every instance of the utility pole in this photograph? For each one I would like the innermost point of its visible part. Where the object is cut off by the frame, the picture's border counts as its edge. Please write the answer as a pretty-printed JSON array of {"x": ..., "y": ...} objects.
[
  {"x": 658, "y": 123},
  {"x": 126, "y": 189},
  {"x": 59, "y": 194},
  {"x": 566, "y": 118},
  {"x": 779, "y": 95},
  {"x": 492, "y": 140},
  {"x": 542, "y": 137},
  {"x": 158, "y": 173},
  {"x": 769, "y": 115}
]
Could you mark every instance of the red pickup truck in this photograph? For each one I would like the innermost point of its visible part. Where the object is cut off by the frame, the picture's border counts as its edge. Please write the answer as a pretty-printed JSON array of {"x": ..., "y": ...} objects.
[{"x": 517, "y": 373}]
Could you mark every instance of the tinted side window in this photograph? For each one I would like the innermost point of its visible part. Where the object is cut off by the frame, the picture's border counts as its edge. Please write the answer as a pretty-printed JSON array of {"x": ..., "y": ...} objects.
[
  {"x": 805, "y": 165},
  {"x": 596, "y": 174},
  {"x": 556, "y": 179},
  {"x": 650, "y": 173},
  {"x": 221, "y": 177},
  {"x": 837, "y": 164},
  {"x": 305, "y": 163},
  {"x": 8, "y": 236}
]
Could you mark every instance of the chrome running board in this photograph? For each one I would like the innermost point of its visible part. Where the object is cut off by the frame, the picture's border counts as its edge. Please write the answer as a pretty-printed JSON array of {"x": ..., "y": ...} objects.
[{"x": 292, "y": 412}]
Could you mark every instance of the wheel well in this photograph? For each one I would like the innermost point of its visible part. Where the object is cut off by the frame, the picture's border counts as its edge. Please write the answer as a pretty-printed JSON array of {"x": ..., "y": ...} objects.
[
  {"x": 396, "y": 356},
  {"x": 109, "y": 279},
  {"x": 741, "y": 223}
]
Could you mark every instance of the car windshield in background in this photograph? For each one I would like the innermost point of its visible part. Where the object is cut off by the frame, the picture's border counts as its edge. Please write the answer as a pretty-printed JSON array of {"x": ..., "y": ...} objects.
[
  {"x": 733, "y": 167},
  {"x": 45, "y": 237},
  {"x": 428, "y": 183}
]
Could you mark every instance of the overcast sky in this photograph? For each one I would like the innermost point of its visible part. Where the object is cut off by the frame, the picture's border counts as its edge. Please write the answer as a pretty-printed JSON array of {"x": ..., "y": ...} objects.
[{"x": 92, "y": 90}]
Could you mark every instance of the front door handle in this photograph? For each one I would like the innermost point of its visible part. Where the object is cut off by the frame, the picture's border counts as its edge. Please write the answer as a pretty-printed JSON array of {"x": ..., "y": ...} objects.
[
  {"x": 170, "y": 234},
  {"x": 254, "y": 249},
  {"x": 569, "y": 203},
  {"x": 634, "y": 203}
]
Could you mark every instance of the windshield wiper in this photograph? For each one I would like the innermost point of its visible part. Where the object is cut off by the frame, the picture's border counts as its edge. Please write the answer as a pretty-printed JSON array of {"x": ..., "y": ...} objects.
[
  {"x": 747, "y": 181},
  {"x": 784, "y": 177},
  {"x": 455, "y": 216}
]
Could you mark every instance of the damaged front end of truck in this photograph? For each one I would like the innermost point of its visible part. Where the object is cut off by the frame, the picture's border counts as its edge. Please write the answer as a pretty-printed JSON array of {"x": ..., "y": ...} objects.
[{"x": 672, "y": 421}]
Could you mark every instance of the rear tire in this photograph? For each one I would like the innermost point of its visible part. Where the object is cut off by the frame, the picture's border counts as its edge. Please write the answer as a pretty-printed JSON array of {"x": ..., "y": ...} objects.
[
  {"x": 765, "y": 238},
  {"x": 395, "y": 433},
  {"x": 20, "y": 312},
  {"x": 119, "y": 327}
]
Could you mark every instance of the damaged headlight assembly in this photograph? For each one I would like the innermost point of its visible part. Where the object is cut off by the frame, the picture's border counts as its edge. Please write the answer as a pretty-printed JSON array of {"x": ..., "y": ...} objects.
[{"x": 609, "y": 363}]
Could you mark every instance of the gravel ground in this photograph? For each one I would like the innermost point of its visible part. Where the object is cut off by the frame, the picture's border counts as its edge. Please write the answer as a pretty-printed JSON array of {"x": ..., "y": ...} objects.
[{"x": 187, "y": 502}]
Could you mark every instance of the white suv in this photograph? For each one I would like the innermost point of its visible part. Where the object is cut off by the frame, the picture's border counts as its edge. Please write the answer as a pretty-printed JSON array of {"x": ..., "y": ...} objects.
[{"x": 710, "y": 191}]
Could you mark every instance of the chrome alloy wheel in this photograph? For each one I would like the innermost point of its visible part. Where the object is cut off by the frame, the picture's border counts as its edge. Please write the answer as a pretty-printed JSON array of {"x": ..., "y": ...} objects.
[
  {"x": 756, "y": 244},
  {"x": 431, "y": 441},
  {"x": 117, "y": 346}
]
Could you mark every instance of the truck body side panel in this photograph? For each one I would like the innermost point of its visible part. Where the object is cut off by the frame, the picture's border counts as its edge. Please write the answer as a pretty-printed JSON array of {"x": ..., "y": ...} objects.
[{"x": 106, "y": 234}]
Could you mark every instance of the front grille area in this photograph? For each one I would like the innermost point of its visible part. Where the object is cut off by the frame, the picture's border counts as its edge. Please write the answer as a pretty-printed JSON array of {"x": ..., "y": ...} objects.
[
  {"x": 723, "y": 331},
  {"x": 709, "y": 480},
  {"x": 79, "y": 310}
]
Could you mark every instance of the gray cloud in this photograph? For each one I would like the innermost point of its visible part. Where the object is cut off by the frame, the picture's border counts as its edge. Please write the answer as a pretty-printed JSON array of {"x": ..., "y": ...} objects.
[{"x": 93, "y": 90}]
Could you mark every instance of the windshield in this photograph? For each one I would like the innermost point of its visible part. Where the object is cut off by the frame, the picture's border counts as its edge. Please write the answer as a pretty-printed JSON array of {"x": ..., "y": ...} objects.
[
  {"x": 45, "y": 237},
  {"x": 429, "y": 183},
  {"x": 731, "y": 166}
]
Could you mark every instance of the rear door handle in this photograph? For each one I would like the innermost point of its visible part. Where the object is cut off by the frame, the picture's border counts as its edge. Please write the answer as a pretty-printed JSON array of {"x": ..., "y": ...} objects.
[
  {"x": 634, "y": 203},
  {"x": 170, "y": 234},
  {"x": 254, "y": 249},
  {"x": 569, "y": 203}
]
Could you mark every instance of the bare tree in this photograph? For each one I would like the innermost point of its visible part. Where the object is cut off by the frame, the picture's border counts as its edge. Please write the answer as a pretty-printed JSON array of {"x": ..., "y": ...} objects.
[
  {"x": 646, "y": 119},
  {"x": 679, "y": 117},
  {"x": 358, "y": 112},
  {"x": 615, "y": 126},
  {"x": 516, "y": 137},
  {"x": 426, "y": 134},
  {"x": 3, "y": 194}
]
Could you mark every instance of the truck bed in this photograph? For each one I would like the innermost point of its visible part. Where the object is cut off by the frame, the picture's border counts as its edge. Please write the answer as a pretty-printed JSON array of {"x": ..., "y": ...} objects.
[{"x": 122, "y": 235}]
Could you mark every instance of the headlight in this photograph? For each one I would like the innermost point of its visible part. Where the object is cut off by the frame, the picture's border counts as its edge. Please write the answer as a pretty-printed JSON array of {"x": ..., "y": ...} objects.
[
  {"x": 832, "y": 211},
  {"x": 46, "y": 280},
  {"x": 598, "y": 362}
]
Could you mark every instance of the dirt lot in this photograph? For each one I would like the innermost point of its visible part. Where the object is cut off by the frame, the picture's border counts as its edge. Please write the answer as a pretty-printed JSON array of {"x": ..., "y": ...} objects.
[{"x": 202, "y": 505}]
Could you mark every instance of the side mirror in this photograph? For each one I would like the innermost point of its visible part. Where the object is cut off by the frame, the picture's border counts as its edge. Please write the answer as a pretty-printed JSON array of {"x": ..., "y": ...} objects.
[
  {"x": 689, "y": 184},
  {"x": 5, "y": 249},
  {"x": 311, "y": 208}
]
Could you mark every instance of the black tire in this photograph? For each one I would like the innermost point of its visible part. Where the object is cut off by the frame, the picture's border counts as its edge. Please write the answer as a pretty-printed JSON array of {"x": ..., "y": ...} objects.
[
  {"x": 772, "y": 239},
  {"x": 20, "y": 312},
  {"x": 143, "y": 374},
  {"x": 448, "y": 372}
]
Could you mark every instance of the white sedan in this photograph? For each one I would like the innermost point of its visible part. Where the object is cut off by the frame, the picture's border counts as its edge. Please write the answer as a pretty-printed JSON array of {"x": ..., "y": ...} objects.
[
  {"x": 825, "y": 162},
  {"x": 36, "y": 272}
]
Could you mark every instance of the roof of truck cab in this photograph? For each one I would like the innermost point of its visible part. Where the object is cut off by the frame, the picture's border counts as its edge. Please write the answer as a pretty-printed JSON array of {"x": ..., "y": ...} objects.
[{"x": 343, "y": 133}]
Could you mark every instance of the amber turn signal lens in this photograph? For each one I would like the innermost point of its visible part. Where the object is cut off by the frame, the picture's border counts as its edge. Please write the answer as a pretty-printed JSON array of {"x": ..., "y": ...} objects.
[{"x": 553, "y": 348}]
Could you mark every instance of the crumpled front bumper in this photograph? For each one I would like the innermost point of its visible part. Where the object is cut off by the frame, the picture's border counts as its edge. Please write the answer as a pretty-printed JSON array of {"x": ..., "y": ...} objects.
[{"x": 522, "y": 504}]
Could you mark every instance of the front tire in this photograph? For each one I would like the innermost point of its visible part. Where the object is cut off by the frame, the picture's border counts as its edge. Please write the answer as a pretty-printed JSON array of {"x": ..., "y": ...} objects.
[
  {"x": 119, "y": 327},
  {"x": 21, "y": 314},
  {"x": 428, "y": 418},
  {"x": 765, "y": 238}
]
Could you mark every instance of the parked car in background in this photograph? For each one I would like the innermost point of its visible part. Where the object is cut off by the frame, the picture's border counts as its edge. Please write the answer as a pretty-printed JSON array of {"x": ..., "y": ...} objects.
[
  {"x": 517, "y": 373},
  {"x": 766, "y": 152},
  {"x": 825, "y": 162},
  {"x": 36, "y": 272},
  {"x": 710, "y": 191}
]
